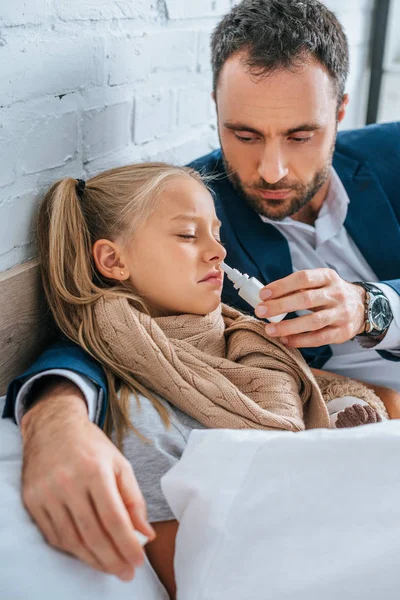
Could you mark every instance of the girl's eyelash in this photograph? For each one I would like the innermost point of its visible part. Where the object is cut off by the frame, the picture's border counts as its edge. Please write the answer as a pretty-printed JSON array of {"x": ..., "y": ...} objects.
[{"x": 187, "y": 236}]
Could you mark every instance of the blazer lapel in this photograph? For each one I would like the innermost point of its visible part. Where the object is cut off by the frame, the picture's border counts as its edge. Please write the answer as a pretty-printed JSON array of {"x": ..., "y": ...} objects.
[{"x": 370, "y": 219}]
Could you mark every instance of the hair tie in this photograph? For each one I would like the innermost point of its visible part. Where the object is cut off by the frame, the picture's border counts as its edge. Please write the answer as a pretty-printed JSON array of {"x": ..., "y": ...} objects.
[{"x": 80, "y": 187}]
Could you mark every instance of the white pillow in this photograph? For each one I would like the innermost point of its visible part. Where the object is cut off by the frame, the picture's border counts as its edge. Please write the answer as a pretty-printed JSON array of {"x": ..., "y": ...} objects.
[
  {"x": 29, "y": 568},
  {"x": 289, "y": 516}
]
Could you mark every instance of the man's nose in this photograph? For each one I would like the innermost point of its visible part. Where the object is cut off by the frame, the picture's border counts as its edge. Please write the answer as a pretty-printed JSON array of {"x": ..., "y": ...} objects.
[{"x": 272, "y": 167}]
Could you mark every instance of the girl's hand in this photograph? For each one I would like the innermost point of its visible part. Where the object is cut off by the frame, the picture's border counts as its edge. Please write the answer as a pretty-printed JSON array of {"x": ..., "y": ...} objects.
[{"x": 78, "y": 487}]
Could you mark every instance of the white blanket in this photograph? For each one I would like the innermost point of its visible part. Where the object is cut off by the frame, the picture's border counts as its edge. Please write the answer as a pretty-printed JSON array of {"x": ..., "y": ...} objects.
[
  {"x": 280, "y": 516},
  {"x": 283, "y": 516},
  {"x": 29, "y": 568}
]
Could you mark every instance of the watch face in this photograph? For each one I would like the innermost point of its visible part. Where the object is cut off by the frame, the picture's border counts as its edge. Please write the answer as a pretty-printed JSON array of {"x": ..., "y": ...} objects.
[{"x": 380, "y": 313}]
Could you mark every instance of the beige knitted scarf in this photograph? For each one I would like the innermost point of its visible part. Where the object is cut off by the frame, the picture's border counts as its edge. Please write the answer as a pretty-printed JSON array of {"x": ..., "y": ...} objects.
[{"x": 222, "y": 368}]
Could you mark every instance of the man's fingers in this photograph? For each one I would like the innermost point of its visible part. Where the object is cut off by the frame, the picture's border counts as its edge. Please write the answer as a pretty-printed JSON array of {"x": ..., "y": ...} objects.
[
  {"x": 133, "y": 499},
  {"x": 304, "y": 300},
  {"x": 301, "y": 280},
  {"x": 300, "y": 325},
  {"x": 46, "y": 526},
  {"x": 93, "y": 537},
  {"x": 115, "y": 519},
  {"x": 78, "y": 549},
  {"x": 328, "y": 335},
  {"x": 68, "y": 536}
]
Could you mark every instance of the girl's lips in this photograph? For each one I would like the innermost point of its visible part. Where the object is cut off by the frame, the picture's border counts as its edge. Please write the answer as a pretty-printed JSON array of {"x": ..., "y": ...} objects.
[{"x": 213, "y": 277}]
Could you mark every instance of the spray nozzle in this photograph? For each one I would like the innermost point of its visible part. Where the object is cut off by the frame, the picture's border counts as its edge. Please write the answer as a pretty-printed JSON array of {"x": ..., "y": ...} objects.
[{"x": 248, "y": 288}]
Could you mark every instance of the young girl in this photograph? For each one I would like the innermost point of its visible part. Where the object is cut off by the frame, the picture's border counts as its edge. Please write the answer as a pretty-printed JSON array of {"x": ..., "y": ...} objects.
[{"x": 131, "y": 268}]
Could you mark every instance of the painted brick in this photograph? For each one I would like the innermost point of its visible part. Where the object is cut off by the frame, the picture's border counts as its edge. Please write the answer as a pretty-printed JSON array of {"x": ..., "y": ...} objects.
[
  {"x": 107, "y": 130},
  {"x": 154, "y": 116},
  {"x": 31, "y": 69},
  {"x": 7, "y": 150},
  {"x": 98, "y": 10},
  {"x": 182, "y": 9},
  {"x": 184, "y": 152},
  {"x": 136, "y": 58},
  {"x": 17, "y": 256},
  {"x": 21, "y": 12},
  {"x": 17, "y": 221},
  {"x": 194, "y": 107},
  {"x": 204, "y": 52},
  {"x": 52, "y": 142}
]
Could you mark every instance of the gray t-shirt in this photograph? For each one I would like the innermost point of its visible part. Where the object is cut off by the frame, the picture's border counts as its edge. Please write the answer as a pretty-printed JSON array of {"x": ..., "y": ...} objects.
[{"x": 150, "y": 461}]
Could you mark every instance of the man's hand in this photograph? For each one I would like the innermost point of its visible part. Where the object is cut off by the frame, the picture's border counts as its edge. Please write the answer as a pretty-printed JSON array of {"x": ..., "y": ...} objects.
[
  {"x": 337, "y": 308},
  {"x": 78, "y": 487}
]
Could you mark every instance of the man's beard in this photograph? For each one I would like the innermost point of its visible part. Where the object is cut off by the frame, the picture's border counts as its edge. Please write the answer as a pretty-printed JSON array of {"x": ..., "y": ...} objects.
[{"x": 304, "y": 193}]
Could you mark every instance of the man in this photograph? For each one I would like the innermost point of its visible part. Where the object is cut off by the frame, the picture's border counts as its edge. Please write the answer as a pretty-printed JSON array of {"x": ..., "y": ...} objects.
[{"x": 290, "y": 218}]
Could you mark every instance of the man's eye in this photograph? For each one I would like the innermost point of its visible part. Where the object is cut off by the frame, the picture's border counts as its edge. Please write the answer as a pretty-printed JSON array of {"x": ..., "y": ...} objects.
[
  {"x": 187, "y": 236},
  {"x": 245, "y": 139},
  {"x": 303, "y": 140}
]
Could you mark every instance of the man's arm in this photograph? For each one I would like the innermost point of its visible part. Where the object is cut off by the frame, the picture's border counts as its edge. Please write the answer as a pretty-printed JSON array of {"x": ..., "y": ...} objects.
[
  {"x": 77, "y": 486},
  {"x": 31, "y": 390},
  {"x": 63, "y": 355}
]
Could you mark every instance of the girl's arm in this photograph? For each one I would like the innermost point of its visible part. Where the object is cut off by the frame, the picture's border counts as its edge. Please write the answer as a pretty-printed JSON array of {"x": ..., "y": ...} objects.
[
  {"x": 389, "y": 397},
  {"x": 160, "y": 553}
]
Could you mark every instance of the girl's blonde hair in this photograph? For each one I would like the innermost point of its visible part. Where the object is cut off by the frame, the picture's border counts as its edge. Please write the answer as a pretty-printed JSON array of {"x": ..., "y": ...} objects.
[{"x": 111, "y": 206}]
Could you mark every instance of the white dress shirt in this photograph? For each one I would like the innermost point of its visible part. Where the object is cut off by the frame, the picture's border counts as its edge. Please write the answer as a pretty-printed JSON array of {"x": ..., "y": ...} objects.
[{"x": 328, "y": 244}]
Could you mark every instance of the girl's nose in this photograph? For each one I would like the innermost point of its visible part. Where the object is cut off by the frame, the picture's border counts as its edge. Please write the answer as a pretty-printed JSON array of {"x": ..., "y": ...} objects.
[{"x": 216, "y": 252}]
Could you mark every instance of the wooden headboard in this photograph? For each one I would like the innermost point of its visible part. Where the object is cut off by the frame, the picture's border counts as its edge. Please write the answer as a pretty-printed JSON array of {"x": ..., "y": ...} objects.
[{"x": 24, "y": 320}]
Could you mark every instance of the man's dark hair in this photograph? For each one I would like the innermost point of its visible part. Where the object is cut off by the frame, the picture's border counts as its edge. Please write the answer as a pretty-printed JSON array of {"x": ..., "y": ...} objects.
[{"x": 281, "y": 34}]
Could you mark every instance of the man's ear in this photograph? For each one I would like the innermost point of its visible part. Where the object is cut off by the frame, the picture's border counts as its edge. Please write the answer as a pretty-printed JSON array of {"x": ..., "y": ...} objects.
[
  {"x": 109, "y": 260},
  {"x": 342, "y": 108}
]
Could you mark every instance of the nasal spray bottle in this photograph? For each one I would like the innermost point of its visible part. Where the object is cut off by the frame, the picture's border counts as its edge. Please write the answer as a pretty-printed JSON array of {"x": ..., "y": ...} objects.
[{"x": 248, "y": 288}]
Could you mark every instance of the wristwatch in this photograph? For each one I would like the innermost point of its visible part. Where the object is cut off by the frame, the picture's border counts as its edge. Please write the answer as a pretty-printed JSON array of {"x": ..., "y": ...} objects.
[{"x": 378, "y": 313}]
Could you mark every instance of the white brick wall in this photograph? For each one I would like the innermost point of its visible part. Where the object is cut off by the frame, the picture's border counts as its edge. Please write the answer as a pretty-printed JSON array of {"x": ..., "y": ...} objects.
[{"x": 91, "y": 84}]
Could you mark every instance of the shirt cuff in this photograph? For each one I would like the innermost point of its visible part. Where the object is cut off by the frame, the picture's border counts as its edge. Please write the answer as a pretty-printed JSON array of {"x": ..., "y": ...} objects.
[
  {"x": 93, "y": 395},
  {"x": 391, "y": 341}
]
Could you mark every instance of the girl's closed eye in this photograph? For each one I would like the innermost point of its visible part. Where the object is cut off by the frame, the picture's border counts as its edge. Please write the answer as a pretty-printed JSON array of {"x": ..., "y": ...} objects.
[{"x": 187, "y": 236}]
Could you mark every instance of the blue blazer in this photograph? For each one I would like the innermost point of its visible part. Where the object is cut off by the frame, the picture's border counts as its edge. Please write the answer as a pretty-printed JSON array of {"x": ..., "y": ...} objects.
[{"x": 368, "y": 163}]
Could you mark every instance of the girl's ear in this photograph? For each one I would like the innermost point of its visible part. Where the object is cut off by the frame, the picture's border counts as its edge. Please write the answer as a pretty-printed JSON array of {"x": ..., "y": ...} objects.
[{"x": 109, "y": 261}]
